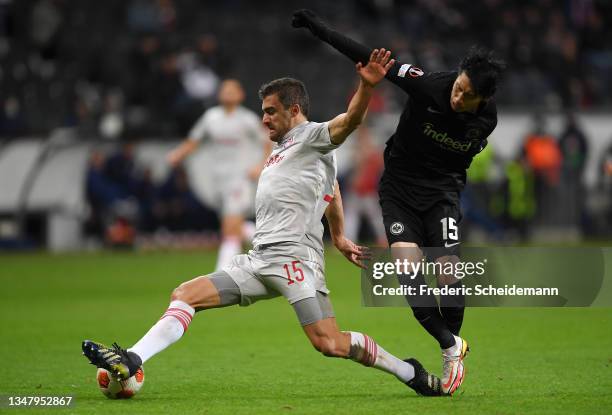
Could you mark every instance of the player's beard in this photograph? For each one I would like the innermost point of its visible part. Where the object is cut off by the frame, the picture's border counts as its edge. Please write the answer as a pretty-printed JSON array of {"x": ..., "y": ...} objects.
[{"x": 276, "y": 135}]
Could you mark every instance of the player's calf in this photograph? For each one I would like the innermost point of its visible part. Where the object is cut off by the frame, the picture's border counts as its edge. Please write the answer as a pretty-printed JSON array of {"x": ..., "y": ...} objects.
[
  {"x": 168, "y": 330},
  {"x": 332, "y": 346},
  {"x": 214, "y": 290},
  {"x": 326, "y": 338},
  {"x": 410, "y": 372}
]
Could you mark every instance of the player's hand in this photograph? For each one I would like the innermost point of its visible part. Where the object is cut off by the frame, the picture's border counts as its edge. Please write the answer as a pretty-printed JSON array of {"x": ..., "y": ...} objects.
[
  {"x": 304, "y": 18},
  {"x": 376, "y": 69},
  {"x": 353, "y": 252}
]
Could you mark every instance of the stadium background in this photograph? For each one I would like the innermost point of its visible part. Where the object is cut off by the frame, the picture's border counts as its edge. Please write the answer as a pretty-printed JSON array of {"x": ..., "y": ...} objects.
[
  {"x": 100, "y": 91},
  {"x": 80, "y": 79}
]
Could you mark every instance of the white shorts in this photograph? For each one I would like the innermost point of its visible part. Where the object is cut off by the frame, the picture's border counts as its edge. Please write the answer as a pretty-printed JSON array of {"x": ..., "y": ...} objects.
[{"x": 292, "y": 270}]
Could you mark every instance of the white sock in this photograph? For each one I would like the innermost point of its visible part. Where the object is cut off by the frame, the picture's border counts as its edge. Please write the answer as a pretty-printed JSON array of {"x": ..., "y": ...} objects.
[
  {"x": 166, "y": 331},
  {"x": 454, "y": 350},
  {"x": 365, "y": 351},
  {"x": 229, "y": 248},
  {"x": 248, "y": 231}
]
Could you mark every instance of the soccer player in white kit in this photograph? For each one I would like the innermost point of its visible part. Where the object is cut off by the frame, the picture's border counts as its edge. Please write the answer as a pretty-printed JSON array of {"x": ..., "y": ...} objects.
[
  {"x": 297, "y": 186},
  {"x": 231, "y": 129}
]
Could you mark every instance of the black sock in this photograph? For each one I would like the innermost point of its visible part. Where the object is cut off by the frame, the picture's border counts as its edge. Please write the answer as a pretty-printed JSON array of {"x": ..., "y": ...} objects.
[
  {"x": 426, "y": 311},
  {"x": 452, "y": 308}
]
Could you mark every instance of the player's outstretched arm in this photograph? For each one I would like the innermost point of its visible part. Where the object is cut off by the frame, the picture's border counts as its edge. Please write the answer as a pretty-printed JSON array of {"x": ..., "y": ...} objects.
[
  {"x": 370, "y": 75},
  {"x": 176, "y": 156},
  {"x": 345, "y": 45},
  {"x": 335, "y": 218},
  {"x": 350, "y": 48}
]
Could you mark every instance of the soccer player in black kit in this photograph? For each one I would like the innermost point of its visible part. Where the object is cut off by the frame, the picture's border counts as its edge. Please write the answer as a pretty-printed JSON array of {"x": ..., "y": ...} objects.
[{"x": 445, "y": 123}]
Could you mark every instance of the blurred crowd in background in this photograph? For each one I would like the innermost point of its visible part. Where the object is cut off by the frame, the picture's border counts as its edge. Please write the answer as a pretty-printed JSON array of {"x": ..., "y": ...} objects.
[
  {"x": 125, "y": 201},
  {"x": 149, "y": 67},
  {"x": 123, "y": 70}
]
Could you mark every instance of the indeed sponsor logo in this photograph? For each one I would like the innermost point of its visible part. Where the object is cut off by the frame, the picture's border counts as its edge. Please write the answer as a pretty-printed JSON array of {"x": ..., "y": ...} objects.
[{"x": 444, "y": 140}]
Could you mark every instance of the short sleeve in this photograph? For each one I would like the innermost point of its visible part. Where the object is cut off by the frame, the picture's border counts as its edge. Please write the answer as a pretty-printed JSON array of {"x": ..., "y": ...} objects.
[
  {"x": 319, "y": 137},
  {"x": 199, "y": 129}
]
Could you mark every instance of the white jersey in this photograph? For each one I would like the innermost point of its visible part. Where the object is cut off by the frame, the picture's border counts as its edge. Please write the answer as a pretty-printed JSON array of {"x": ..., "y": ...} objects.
[
  {"x": 295, "y": 187},
  {"x": 230, "y": 138}
]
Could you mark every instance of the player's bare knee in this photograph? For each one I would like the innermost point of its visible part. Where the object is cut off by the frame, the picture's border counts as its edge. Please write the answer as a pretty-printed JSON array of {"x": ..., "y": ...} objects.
[
  {"x": 179, "y": 293},
  {"x": 187, "y": 293}
]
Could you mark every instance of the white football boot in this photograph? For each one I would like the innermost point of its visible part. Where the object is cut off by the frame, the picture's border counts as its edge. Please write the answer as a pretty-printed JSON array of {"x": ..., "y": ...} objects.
[{"x": 453, "y": 369}]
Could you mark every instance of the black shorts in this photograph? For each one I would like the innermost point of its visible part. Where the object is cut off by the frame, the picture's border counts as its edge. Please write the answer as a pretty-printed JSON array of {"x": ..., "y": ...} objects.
[{"x": 436, "y": 227}]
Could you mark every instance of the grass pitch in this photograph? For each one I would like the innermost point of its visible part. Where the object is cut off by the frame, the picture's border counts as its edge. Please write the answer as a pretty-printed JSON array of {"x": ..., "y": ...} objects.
[{"x": 256, "y": 360}]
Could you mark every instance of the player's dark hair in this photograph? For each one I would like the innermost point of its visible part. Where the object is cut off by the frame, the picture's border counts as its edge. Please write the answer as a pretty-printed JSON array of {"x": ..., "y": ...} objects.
[
  {"x": 290, "y": 91},
  {"x": 483, "y": 69}
]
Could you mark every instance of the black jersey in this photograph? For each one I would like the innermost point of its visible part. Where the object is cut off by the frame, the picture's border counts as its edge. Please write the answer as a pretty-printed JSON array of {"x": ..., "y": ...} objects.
[{"x": 433, "y": 145}]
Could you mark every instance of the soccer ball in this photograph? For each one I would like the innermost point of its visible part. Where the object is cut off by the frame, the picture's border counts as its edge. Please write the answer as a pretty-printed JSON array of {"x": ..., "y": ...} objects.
[{"x": 115, "y": 389}]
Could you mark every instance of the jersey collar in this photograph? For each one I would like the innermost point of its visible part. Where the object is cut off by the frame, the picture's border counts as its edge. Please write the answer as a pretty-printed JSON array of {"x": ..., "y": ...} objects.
[{"x": 291, "y": 133}]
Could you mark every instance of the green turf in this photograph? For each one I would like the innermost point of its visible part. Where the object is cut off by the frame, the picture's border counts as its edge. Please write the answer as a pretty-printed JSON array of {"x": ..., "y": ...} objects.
[{"x": 257, "y": 361}]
